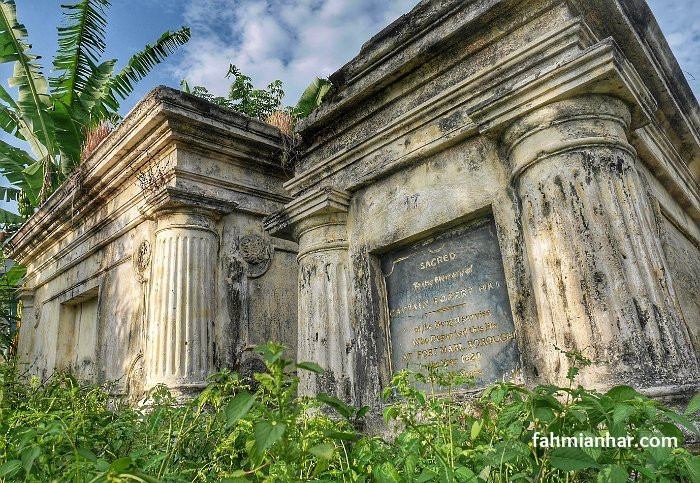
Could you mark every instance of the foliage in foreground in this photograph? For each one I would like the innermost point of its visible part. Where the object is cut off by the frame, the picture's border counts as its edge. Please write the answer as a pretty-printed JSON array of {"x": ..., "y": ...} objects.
[{"x": 64, "y": 431}]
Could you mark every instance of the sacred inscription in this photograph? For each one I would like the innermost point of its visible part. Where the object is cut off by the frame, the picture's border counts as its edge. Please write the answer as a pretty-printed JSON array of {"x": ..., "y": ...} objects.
[{"x": 448, "y": 304}]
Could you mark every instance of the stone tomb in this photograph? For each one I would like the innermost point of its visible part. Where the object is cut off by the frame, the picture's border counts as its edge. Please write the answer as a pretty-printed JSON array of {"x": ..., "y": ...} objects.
[
  {"x": 541, "y": 160},
  {"x": 150, "y": 265},
  {"x": 448, "y": 304},
  {"x": 524, "y": 173}
]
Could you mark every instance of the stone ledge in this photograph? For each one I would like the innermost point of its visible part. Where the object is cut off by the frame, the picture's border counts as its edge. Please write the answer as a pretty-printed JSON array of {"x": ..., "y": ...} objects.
[{"x": 166, "y": 119}]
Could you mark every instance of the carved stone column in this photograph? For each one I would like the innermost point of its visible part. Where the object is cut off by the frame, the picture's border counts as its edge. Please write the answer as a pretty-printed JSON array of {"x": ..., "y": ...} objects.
[
  {"x": 180, "y": 345},
  {"x": 599, "y": 272},
  {"x": 318, "y": 222},
  {"x": 27, "y": 318}
]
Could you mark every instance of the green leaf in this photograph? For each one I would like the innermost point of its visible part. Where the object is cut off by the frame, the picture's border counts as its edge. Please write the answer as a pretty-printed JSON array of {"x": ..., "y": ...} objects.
[
  {"x": 622, "y": 412},
  {"x": 121, "y": 464},
  {"x": 426, "y": 475},
  {"x": 623, "y": 393},
  {"x": 612, "y": 474},
  {"x": 81, "y": 42},
  {"x": 571, "y": 459},
  {"x": 238, "y": 407},
  {"x": 312, "y": 97},
  {"x": 465, "y": 475},
  {"x": 33, "y": 100},
  {"x": 87, "y": 454},
  {"x": 323, "y": 451},
  {"x": 693, "y": 405},
  {"x": 7, "y": 218},
  {"x": 476, "y": 429},
  {"x": 682, "y": 420},
  {"x": 8, "y": 193},
  {"x": 266, "y": 434},
  {"x": 28, "y": 456},
  {"x": 311, "y": 366},
  {"x": 386, "y": 473},
  {"x": 544, "y": 414},
  {"x": 142, "y": 63},
  {"x": 10, "y": 468},
  {"x": 345, "y": 410},
  {"x": 670, "y": 429},
  {"x": 692, "y": 464}
]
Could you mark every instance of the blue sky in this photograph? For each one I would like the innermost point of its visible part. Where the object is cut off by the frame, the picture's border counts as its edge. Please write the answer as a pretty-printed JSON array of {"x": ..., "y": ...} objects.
[{"x": 291, "y": 40}]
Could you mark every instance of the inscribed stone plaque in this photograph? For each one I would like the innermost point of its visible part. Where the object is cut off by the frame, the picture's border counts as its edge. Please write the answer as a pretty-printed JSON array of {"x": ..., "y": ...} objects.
[{"x": 448, "y": 303}]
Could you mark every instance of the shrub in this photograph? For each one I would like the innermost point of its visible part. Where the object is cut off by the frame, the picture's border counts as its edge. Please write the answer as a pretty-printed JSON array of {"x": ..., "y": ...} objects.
[{"x": 63, "y": 430}]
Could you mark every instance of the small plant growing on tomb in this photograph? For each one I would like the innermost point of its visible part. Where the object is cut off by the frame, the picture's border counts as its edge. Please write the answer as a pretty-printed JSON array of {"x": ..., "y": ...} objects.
[{"x": 266, "y": 105}]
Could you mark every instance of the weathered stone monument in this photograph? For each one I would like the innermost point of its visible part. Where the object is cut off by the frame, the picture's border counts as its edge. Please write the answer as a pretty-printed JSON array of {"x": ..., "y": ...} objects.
[
  {"x": 488, "y": 180},
  {"x": 493, "y": 179},
  {"x": 150, "y": 265}
]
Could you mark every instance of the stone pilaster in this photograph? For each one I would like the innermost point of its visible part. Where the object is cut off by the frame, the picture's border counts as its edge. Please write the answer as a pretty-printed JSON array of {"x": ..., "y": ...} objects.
[
  {"x": 598, "y": 270},
  {"x": 180, "y": 345},
  {"x": 27, "y": 318},
  {"x": 318, "y": 222}
]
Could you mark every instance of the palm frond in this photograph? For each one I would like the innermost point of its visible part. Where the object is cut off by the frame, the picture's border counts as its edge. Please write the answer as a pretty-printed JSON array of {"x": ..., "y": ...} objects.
[
  {"x": 9, "y": 219},
  {"x": 93, "y": 95},
  {"x": 81, "y": 42},
  {"x": 69, "y": 134},
  {"x": 13, "y": 165},
  {"x": 142, "y": 63},
  {"x": 33, "y": 101},
  {"x": 13, "y": 275},
  {"x": 8, "y": 193}
]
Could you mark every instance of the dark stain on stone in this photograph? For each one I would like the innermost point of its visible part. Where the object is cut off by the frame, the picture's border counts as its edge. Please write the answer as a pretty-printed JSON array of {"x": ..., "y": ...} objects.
[{"x": 234, "y": 281}]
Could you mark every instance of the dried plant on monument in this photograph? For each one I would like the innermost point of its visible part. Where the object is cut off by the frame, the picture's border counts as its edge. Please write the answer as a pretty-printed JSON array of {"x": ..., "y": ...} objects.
[{"x": 266, "y": 105}]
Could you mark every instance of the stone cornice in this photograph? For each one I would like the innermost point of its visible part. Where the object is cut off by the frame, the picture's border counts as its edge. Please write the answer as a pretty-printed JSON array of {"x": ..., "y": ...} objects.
[
  {"x": 432, "y": 26},
  {"x": 315, "y": 202},
  {"x": 172, "y": 198},
  {"x": 401, "y": 46},
  {"x": 600, "y": 69},
  {"x": 165, "y": 120},
  {"x": 474, "y": 105}
]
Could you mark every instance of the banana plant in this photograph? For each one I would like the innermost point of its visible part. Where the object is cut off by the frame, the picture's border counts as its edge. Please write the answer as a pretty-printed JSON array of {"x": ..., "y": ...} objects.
[
  {"x": 312, "y": 97},
  {"x": 52, "y": 115}
]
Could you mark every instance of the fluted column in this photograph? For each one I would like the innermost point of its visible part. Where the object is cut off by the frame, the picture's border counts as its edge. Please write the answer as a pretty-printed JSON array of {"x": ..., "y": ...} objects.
[
  {"x": 27, "y": 320},
  {"x": 325, "y": 334},
  {"x": 599, "y": 272},
  {"x": 180, "y": 346}
]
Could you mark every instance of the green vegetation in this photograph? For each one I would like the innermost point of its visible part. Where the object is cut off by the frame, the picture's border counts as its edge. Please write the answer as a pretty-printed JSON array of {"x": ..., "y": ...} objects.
[
  {"x": 260, "y": 430},
  {"x": 55, "y": 115},
  {"x": 242, "y": 96},
  {"x": 261, "y": 104}
]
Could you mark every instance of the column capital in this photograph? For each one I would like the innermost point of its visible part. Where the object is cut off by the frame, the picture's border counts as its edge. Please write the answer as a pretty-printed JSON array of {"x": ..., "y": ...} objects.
[
  {"x": 25, "y": 293},
  {"x": 581, "y": 122},
  {"x": 173, "y": 199},
  {"x": 317, "y": 205}
]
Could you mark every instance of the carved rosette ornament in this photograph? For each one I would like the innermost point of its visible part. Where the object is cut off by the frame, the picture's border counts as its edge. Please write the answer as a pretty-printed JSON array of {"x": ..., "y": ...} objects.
[
  {"x": 257, "y": 254},
  {"x": 142, "y": 261}
]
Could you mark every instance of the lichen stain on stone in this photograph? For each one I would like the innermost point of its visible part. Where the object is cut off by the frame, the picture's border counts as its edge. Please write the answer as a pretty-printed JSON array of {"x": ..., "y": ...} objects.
[{"x": 234, "y": 278}]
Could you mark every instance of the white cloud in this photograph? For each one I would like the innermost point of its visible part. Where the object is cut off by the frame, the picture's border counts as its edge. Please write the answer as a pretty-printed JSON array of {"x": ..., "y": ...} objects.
[
  {"x": 291, "y": 40},
  {"x": 680, "y": 22}
]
